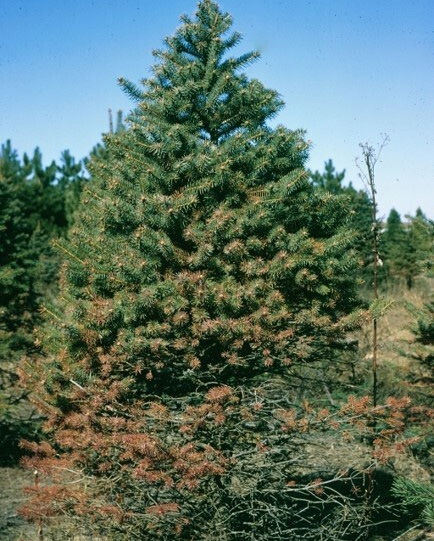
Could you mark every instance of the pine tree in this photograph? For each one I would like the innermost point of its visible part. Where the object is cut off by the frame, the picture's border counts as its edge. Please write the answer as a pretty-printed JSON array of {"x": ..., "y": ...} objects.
[
  {"x": 398, "y": 253},
  {"x": 18, "y": 298},
  {"x": 204, "y": 279},
  {"x": 417, "y": 496},
  {"x": 421, "y": 237},
  {"x": 330, "y": 180},
  {"x": 71, "y": 181},
  {"x": 423, "y": 350},
  {"x": 20, "y": 240},
  {"x": 32, "y": 212},
  {"x": 408, "y": 248},
  {"x": 360, "y": 205}
]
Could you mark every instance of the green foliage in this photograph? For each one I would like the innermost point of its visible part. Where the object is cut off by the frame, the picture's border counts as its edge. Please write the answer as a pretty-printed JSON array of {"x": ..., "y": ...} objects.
[
  {"x": 421, "y": 236},
  {"x": 407, "y": 247},
  {"x": 204, "y": 279},
  {"x": 399, "y": 258},
  {"x": 360, "y": 211},
  {"x": 416, "y": 495},
  {"x": 379, "y": 307},
  {"x": 16, "y": 249},
  {"x": 70, "y": 184},
  {"x": 329, "y": 181},
  {"x": 32, "y": 211},
  {"x": 99, "y": 151},
  {"x": 423, "y": 349}
]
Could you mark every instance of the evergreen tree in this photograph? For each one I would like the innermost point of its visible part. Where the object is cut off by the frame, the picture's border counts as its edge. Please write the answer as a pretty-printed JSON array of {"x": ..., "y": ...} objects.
[
  {"x": 100, "y": 151},
  {"x": 395, "y": 246},
  {"x": 71, "y": 181},
  {"x": 18, "y": 304},
  {"x": 417, "y": 496},
  {"x": 32, "y": 212},
  {"x": 330, "y": 180},
  {"x": 204, "y": 278},
  {"x": 17, "y": 252},
  {"x": 360, "y": 205},
  {"x": 408, "y": 248},
  {"x": 421, "y": 236},
  {"x": 424, "y": 332}
]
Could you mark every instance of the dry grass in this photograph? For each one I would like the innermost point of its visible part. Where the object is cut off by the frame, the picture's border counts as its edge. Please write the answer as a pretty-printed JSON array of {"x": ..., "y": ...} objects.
[
  {"x": 12, "y": 526},
  {"x": 394, "y": 327}
]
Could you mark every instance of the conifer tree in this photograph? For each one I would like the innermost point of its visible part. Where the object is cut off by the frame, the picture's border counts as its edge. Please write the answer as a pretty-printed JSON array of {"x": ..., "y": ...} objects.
[
  {"x": 32, "y": 211},
  {"x": 70, "y": 180},
  {"x": 18, "y": 255},
  {"x": 421, "y": 236},
  {"x": 330, "y": 180},
  {"x": 360, "y": 205},
  {"x": 417, "y": 496},
  {"x": 424, "y": 333},
  {"x": 204, "y": 279},
  {"x": 408, "y": 247},
  {"x": 395, "y": 247}
]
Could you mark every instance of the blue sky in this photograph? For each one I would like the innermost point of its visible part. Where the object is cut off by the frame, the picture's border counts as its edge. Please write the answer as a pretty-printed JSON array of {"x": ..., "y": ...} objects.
[{"x": 348, "y": 70}]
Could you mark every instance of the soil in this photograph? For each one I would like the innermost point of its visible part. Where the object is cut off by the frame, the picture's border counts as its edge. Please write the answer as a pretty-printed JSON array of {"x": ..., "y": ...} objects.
[{"x": 12, "y": 526}]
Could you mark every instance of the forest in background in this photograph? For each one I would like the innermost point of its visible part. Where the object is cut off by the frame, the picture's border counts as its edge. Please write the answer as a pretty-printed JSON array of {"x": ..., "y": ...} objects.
[{"x": 90, "y": 242}]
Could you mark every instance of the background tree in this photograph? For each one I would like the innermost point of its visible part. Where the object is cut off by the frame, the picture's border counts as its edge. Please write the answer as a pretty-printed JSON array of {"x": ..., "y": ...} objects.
[
  {"x": 360, "y": 205},
  {"x": 421, "y": 236},
  {"x": 70, "y": 181},
  {"x": 424, "y": 333},
  {"x": 330, "y": 180},
  {"x": 18, "y": 305},
  {"x": 395, "y": 250},
  {"x": 407, "y": 247},
  {"x": 32, "y": 212}
]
